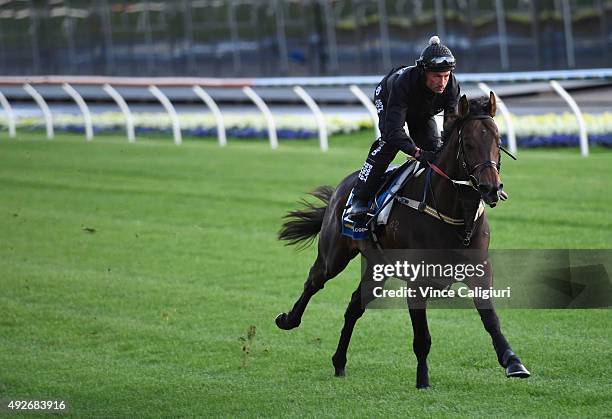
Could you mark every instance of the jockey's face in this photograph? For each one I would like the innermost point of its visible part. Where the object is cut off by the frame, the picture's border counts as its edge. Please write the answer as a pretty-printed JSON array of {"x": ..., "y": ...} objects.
[{"x": 436, "y": 81}]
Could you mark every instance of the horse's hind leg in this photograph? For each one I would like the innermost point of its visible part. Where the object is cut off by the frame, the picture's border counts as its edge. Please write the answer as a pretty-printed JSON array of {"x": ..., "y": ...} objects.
[
  {"x": 421, "y": 341},
  {"x": 328, "y": 265}
]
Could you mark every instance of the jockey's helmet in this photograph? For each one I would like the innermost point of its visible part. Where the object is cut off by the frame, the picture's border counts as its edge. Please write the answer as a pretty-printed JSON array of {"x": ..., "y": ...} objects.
[{"x": 436, "y": 57}]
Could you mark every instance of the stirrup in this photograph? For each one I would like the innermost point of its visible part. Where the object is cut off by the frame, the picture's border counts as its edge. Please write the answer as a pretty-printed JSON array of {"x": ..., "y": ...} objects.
[{"x": 361, "y": 215}]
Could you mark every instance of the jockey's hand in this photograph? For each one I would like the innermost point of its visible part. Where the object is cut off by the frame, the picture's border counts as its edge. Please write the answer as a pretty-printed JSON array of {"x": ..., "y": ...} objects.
[{"x": 425, "y": 156}]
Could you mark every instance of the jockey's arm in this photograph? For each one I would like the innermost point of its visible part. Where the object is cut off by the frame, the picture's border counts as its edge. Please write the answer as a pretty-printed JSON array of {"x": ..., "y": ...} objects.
[{"x": 395, "y": 119}]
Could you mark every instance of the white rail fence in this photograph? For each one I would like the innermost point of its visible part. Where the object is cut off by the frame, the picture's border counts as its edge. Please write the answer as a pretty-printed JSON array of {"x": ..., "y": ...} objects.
[{"x": 197, "y": 85}]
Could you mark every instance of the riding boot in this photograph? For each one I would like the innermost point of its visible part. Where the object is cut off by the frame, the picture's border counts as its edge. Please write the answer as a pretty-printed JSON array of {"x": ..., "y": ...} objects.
[
  {"x": 370, "y": 177},
  {"x": 364, "y": 191}
]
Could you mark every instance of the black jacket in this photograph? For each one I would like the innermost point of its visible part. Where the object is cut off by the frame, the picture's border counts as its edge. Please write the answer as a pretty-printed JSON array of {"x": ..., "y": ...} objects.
[{"x": 410, "y": 101}]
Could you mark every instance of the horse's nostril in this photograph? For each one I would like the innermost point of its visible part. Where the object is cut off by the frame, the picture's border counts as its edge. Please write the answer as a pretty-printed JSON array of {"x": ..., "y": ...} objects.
[{"x": 501, "y": 186}]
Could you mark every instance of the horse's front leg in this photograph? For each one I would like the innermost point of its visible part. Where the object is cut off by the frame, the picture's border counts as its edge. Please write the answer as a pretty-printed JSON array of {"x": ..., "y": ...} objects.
[
  {"x": 505, "y": 356},
  {"x": 421, "y": 341}
]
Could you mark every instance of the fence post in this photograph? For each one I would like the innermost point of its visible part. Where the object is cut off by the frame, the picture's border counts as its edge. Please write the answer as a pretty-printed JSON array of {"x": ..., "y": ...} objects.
[
  {"x": 263, "y": 108},
  {"x": 40, "y": 101},
  {"x": 163, "y": 99},
  {"x": 309, "y": 101},
  {"x": 365, "y": 101},
  {"x": 10, "y": 116},
  {"x": 215, "y": 111},
  {"x": 129, "y": 120},
  {"x": 83, "y": 107},
  {"x": 584, "y": 138}
]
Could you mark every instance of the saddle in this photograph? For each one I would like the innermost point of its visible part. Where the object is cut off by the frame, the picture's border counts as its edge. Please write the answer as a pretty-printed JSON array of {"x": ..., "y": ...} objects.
[{"x": 381, "y": 205}]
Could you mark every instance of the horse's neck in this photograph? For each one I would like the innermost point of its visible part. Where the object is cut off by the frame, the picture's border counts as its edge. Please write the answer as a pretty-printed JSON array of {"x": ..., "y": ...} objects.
[
  {"x": 449, "y": 160},
  {"x": 445, "y": 193}
]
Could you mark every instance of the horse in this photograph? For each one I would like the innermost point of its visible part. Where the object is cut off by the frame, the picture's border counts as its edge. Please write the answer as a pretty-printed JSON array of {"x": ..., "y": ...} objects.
[{"x": 467, "y": 175}]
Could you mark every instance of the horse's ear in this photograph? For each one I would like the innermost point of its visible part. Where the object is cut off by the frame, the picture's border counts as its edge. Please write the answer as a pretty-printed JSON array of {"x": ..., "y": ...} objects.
[
  {"x": 492, "y": 104},
  {"x": 464, "y": 107}
]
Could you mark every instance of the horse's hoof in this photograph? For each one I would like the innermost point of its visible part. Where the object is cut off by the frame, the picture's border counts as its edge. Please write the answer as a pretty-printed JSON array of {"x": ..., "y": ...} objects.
[
  {"x": 282, "y": 322},
  {"x": 339, "y": 364},
  {"x": 422, "y": 376},
  {"x": 517, "y": 370}
]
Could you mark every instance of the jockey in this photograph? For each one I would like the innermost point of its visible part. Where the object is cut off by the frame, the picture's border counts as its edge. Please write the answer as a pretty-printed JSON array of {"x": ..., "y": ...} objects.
[{"x": 411, "y": 95}]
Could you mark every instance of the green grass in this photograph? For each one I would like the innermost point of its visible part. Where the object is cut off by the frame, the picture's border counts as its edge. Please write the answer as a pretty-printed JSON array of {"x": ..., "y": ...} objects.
[{"x": 145, "y": 315}]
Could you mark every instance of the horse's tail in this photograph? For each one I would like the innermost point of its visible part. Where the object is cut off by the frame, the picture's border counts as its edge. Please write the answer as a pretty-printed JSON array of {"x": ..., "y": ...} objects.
[{"x": 303, "y": 225}]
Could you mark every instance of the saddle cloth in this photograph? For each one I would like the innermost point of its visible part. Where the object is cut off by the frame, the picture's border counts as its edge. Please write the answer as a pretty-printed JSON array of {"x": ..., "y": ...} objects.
[{"x": 380, "y": 205}]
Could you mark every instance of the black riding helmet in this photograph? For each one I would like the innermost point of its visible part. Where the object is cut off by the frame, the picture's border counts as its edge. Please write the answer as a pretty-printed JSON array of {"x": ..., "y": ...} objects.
[{"x": 436, "y": 57}]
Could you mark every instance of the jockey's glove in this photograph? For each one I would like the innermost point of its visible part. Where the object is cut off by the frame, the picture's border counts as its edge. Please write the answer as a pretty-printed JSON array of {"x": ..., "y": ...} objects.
[{"x": 425, "y": 156}]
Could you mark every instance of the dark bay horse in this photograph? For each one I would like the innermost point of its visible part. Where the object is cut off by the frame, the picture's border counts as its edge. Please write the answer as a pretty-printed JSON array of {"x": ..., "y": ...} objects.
[{"x": 471, "y": 153}]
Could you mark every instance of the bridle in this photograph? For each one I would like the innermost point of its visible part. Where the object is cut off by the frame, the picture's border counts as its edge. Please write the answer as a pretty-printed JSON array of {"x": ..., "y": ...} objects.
[{"x": 472, "y": 171}]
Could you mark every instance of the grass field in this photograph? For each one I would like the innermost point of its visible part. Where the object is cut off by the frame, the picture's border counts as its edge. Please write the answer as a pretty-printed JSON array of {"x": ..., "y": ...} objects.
[{"x": 130, "y": 275}]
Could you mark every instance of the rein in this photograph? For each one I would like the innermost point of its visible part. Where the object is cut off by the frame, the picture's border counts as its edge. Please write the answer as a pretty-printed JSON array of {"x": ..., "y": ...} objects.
[{"x": 439, "y": 171}]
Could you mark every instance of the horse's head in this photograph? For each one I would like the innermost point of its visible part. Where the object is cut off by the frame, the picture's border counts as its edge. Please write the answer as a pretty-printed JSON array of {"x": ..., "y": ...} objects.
[{"x": 476, "y": 144}]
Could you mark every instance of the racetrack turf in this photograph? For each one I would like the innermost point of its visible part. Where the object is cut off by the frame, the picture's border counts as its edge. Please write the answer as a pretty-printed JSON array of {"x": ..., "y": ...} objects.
[{"x": 130, "y": 274}]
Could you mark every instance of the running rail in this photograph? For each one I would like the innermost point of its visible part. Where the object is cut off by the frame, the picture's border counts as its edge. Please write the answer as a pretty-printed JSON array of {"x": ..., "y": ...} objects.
[
  {"x": 520, "y": 76},
  {"x": 295, "y": 83}
]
